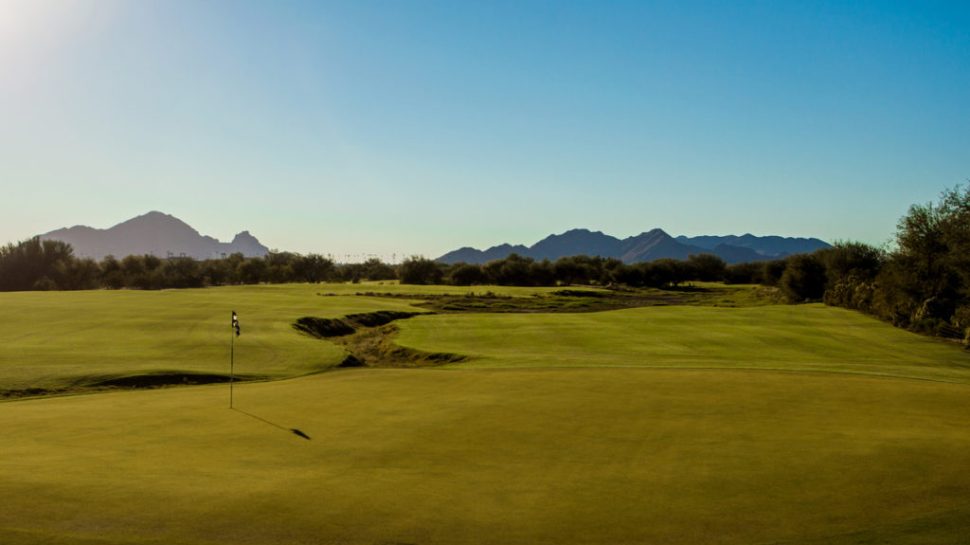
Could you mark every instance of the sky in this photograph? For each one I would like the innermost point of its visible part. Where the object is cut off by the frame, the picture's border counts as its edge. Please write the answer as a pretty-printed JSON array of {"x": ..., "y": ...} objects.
[{"x": 407, "y": 127}]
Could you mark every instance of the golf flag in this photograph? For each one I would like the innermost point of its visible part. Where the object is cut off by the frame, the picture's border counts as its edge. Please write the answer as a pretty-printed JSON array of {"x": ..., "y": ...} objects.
[{"x": 235, "y": 322}]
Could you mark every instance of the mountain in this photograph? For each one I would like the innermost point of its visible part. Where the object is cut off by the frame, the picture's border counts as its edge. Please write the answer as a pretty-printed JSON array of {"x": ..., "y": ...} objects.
[
  {"x": 574, "y": 242},
  {"x": 153, "y": 233},
  {"x": 655, "y": 244},
  {"x": 647, "y": 246},
  {"x": 768, "y": 246}
]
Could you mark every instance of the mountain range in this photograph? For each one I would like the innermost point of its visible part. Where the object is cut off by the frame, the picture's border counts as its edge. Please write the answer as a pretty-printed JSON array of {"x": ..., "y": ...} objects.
[
  {"x": 153, "y": 233},
  {"x": 165, "y": 235},
  {"x": 647, "y": 246}
]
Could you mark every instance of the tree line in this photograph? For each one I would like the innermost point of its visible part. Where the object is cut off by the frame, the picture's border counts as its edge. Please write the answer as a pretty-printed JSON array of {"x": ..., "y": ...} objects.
[
  {"x": 37, "y": 264},
  {"x": 921, "y": 283}
]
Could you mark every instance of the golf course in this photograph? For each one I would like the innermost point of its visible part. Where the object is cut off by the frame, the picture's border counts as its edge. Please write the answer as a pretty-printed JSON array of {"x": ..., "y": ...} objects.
[{"x": 719, "y": 419}]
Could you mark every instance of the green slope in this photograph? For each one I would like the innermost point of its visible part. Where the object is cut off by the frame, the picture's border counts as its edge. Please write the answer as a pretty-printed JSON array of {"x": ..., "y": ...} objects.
[
  {"x": 675, "y": 425},
  {"x": 57, "y": 339},
  {"x": 506, "y": 456},
  {"x": 792, "y": 338}
]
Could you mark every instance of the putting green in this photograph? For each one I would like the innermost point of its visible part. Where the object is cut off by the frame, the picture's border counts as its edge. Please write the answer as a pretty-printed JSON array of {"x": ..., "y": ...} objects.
[{"x": 506, "y": 456}]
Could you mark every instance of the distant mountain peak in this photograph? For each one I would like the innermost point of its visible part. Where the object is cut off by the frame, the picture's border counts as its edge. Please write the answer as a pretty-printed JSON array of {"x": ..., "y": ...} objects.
[
  {"x": 655, "y": 232},
  {"x": 155, "y": 233},
  {"x": 580, "y": 231},
  {"x": 155, "y": 218},
  {"x": 154, "y": 215},
  {"x": 647, "y": 246}
]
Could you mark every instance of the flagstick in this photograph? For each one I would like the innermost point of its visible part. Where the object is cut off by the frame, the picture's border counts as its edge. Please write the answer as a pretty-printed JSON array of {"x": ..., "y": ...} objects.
[{"x": 232, "y": 361}]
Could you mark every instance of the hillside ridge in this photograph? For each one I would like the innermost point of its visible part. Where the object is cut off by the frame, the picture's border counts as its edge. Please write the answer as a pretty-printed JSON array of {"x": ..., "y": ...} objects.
[
  {"x": 155, "y": 233},
  {"x": 647, "y": 246}
]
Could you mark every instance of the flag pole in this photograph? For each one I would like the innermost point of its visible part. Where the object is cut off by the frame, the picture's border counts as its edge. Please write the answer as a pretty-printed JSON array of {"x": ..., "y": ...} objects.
[{"x": 232, "y": 356}]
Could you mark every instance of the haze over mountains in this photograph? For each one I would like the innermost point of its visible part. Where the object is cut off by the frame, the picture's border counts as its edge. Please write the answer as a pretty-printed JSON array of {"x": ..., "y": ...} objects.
[
  {"x": 648, "y": 246},
  {"x": 154, "y": 233},
  {"x": 164, "y": 235}
]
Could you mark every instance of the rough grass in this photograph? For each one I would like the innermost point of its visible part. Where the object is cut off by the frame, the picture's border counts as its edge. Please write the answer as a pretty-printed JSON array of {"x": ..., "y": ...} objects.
[
  {"x": 394, "y": 288},
  {"x": 588, "y": 299},
  {"x": 498, "y": 456},
  {"x": 783, "y": 337},
  {"x": 376, "y": 347}
]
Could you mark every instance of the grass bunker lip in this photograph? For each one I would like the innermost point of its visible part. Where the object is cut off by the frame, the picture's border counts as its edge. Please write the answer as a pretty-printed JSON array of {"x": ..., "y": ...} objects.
[
  {"x": 323, "y": 328},
  {"x": 163, "y": 379},
  {"x": 368, "y": 339}
]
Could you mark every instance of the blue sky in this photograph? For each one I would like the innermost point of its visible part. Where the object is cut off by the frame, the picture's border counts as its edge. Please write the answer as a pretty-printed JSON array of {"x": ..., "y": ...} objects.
[{"x": 417, "y": 127}]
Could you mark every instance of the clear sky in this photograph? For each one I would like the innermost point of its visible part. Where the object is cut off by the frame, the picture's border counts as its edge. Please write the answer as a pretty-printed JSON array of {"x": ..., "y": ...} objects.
[{"x": 418, "y": 127}]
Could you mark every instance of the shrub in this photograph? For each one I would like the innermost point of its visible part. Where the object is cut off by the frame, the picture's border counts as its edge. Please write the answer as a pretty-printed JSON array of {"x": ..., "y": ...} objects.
[
  {"x": 419, "y": 270},
  {"x": 804, "y": 278}
]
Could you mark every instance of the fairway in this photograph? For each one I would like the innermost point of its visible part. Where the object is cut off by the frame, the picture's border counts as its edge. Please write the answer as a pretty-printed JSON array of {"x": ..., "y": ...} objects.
[
  {"x": 58, "y": 340},
  {"x": 781, "y": 425},
  {"x": 780, "y": 337}
]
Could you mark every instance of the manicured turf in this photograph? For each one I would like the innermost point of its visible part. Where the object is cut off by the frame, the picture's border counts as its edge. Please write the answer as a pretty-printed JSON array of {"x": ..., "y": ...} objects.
[
  {"x": 502, "y": 456},
  {"x": 662, "y": 425},
  {"x": 782, "y": 337},
  {"x": 56, "y": 339}
]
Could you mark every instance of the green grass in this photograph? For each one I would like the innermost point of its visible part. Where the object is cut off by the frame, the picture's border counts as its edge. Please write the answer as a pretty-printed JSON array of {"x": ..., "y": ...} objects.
[
  {"x": 55, "y": 340},
  {"x": 63, "y": 340},
  {"x": 782, "y": 337},
  {"x": 660, "y": 425},
  {"x": 496, "y": 456},
  {"x": 392, "y": 287}
]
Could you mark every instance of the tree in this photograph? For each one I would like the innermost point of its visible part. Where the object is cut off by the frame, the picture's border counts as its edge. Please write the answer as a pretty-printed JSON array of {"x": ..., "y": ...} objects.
[
  {"x": 279, "y": 267},
  {"x": 804, "y": 278},
  {"x": 851, "y": 270},
  {"x": 745, "y": 273},
  {"x": 34, "y": 264},
  {"x": 375, "y": 269},
  {"x": 78, "y": 274},
  {"x": 572, "y": 270},
  {"x": 313, "y": 268},
  {"x": 252, "y": 271},
  {"x": 180, "y": 272},
  {"x": 112, "y": 275},
  {"x": 420, "y": 270},
  {"x": 465, "y": 274},
  {"x": 629, "y": 275},
  {"x": 706, "y": 267},
  {"x": 665, "y": 272},
  {"x": 927, "y": 277},
  {"x": 772, "y": 271},
  {"x": 851, "y": 259},
  {"x": 514, "y": 270},
  {"x": 541, "y": 273}
]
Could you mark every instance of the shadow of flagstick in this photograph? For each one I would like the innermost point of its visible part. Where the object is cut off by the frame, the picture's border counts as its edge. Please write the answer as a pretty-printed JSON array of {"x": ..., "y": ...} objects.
[{"x": 294, "y": 431}]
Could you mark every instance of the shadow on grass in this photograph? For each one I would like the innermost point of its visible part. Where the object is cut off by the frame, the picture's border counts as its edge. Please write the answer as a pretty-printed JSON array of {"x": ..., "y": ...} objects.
[{"x": 294, "y": 431}]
